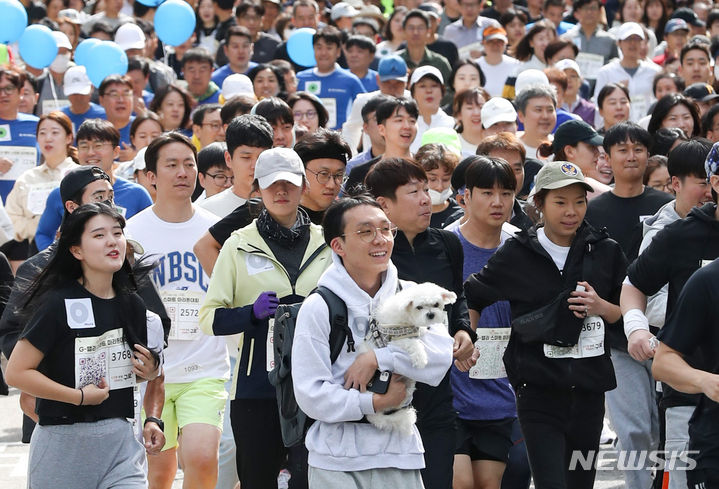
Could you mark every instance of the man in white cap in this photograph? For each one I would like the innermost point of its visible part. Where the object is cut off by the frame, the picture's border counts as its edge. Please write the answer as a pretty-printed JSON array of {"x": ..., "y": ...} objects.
[
  {"x": 237, "y": 84},
  {"x": 496, "y": 65},
  {"x": 427, "y": 89},
  {"x": 342, "y": 15},
  {"x": 498, "y": 115},
  {"x": 632, "y": 70},
  {"x": 78, "y": 89},
  {"x": 50, "y": 83},
  {"x": 131, "y": 39}
]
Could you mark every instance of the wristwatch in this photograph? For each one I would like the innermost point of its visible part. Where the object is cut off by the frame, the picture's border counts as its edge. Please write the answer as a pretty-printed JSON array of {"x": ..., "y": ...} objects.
[{"x": 157, "y": 421}]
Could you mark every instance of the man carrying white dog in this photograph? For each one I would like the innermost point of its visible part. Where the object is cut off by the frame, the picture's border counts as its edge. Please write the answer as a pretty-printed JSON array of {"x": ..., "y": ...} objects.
[{"x": 344, "y": 450}]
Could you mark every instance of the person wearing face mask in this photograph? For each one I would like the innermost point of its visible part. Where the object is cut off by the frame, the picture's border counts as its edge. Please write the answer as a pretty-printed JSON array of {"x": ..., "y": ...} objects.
[
  {"x": 51, "y": 83},
  {"x": 439, "y": 159}
]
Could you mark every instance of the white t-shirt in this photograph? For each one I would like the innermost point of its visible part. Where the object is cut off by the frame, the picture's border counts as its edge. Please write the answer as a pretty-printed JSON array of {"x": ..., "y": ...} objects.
[
  {"x": 439, "y": 119},
  {"x": 190, "y": 354},
  {"x": 496, "y": 75},
  {"x": 558, "y": 253},
  {"x": 468, "y": 149},
  {"x": 223, "y": 203}
]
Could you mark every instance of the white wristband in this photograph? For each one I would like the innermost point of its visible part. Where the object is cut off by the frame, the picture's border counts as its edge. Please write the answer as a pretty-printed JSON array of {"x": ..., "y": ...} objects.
[{"x": 635, "y": 320}]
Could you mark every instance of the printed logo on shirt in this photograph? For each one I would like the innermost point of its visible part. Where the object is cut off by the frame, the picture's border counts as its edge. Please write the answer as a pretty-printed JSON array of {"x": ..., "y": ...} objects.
[
  {"x": 314, "y": 87},
  {"x": 5, "y": 132}
]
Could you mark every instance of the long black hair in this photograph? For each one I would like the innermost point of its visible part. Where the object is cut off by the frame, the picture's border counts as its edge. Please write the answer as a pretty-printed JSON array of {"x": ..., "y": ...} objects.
[{"x": 63, "y": 268}]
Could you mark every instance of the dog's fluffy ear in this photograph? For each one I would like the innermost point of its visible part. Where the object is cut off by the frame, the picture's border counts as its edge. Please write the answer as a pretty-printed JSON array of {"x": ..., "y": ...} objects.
[
  {"x": 408, "y": 307},
  {"x": 449, "y": 297}
]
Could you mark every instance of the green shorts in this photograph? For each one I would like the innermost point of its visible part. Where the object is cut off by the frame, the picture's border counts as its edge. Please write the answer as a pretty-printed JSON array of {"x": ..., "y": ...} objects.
[{"x": 201, "y": 401}]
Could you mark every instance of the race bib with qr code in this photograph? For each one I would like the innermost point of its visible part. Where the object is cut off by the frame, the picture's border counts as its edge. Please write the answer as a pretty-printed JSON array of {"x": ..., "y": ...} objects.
[
  {"x": 107, "y": 356},
  {"x": 271, "y": 345},
  {"x": 590, "y": 343},
  {"x": 183, "y": 308}
]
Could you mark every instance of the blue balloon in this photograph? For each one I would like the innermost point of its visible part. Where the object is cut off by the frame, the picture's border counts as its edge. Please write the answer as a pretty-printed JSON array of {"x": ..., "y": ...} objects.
[
  {"x": 174, "y": 22},
  {"x": 299, "y": 47},
  {"x": 38, "y": 47},
  {"x": 150, "y": 3},
  {"x": 83, "y": 49},
  {"x": 104, "y": 59},
  {"x": 13, "y": 20}
]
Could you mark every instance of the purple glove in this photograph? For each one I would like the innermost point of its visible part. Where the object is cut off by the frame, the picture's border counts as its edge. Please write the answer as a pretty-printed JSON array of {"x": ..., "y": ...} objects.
[{"x": 265, "y": 305}]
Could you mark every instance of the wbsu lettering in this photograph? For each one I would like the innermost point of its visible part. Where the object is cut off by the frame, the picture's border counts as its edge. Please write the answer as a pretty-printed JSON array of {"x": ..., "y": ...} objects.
[{"x": 176, "y": 266}]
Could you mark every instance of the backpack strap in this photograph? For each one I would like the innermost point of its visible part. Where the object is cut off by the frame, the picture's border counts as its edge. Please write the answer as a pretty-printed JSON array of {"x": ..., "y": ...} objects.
[{"x": 339, "y": 323}]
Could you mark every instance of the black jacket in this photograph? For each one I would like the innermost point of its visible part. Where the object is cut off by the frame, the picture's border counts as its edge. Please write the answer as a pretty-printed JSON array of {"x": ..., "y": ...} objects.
[{"x": 523, "y": 273}]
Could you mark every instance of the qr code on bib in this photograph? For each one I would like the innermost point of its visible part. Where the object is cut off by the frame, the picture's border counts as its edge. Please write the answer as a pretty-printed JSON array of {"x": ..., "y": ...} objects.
[{"x": 92, "y": 369}]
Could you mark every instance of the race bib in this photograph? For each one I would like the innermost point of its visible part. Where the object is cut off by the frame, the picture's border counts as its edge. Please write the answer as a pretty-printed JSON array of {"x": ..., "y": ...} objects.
[
  {"x": 183, "y": 308},
  {"x": 22, "y": 157},
  {"x": 107, "y": 356},
  {"x": 37, "y": 196},
  {"x": 491, "y": 343},
  {"x": 589, "y": 64},
  {"x": 590, "y": 343},
  {"x": 271, "y": 345},
  {"x": 136, "y": 421},
  {"x": 639, "y": 107},
  {"x": 331, "y": 106},
  {"x": 51, "y": 105}
]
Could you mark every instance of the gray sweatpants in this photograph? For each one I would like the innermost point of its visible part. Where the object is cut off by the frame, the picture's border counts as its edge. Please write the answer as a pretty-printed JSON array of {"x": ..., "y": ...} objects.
[
  {"x": 365, "y": 479},
  {"x": 633, "y": 413},
  {"x": 103, "y": 454},
  {"x": 677, "y": 441}
]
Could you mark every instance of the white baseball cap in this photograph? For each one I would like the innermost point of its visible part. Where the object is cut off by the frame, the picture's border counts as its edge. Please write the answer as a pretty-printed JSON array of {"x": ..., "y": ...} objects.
[
  {"x": 423, "y": 71},
  {"x": 568, "y": 64},
  {"x": 497, "y": 109},
  {"x": 630, "y": 29},
  {"x": 130, "y": 36},
  {"x": 279, "y": 164},
  {"x": 237, "y": 84},
  {"x": 529, "y": 77},
  {"x": 342, "y": 9},
  {"x": 76, "y": 82},
  {"x": 62, "y": 40}
]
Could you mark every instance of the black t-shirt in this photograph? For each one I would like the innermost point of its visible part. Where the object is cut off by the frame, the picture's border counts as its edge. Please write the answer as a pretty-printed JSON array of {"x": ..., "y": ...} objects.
[
  {"x": 623, "y": 216},
  {"x": 447, "y": 216},
  {"x": 359, "y": 172},
  {"x": 67, "y": 340},
  {"x": 693, "y": 328}
]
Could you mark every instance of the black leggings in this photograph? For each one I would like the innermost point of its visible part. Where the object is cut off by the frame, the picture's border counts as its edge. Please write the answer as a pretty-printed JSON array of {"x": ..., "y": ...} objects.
[
  {"x": 555, "y": 423},
  {"x": 439, "y": 443},
  {"x": 260, "y": 451}
]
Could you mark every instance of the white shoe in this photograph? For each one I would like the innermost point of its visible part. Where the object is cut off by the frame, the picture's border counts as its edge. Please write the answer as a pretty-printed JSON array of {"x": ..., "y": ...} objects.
[{"x": 608, "y": 437}]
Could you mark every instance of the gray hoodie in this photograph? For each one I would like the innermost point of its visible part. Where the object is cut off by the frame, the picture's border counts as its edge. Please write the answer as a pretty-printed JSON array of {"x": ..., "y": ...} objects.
[{"x": 335, "y": 441}]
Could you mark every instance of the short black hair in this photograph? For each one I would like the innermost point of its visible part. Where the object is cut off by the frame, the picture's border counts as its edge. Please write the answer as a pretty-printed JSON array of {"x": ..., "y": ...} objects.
[
  {"x": 323, "y": 143},
  {"x": 198, "y": 115},
  {"x": 103, "y": 27},
  {"x": 708, "y": 119},
  {"x": 624, "y": 131},
  {"x": 372, "y": 104},
  {"x": 112, "y": 80},
  {"x": 252, "y": 74},
  {"x": 153, "y": 150},
  {"x": 608, "y": 89},
  {"x": 687, "y": 159},
  {"x": 416, "y": 13},
  {"x": 275, "y": 110},
  {"x": 200, "y": 55},
  {"x": 236, "y": 106},
  {"x": 387, "y": 109},
  {"x": 678, "y": 81},
  {"x": 238, "y": 31},
  {"x": 664, "y": 139},
  {"x": 387, "y": 175},
  {"x": 700, "y": 46},
  {"x": 329, "y": 34},
  {"x": 212, "y": 155},
  {"x": 244, "y": 6},
  {"x": 486, "y": 172},
  {"x": 224, "y": 4},
  {"x": 362, "y": 42},
  {"x": 32, "y": 80},
  {"x": 139, "y": 63},
  {"x": 333, "y": 222},
  {"x": 98, "y": 130},
  {"x": 248, "y": 130},
  {"x": 577, "y": 4}
]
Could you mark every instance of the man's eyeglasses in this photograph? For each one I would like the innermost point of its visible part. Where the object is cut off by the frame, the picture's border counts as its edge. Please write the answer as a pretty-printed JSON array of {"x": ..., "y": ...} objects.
[
  {"x": 95, "y": 146},
  {"x": 324, "y": 176},
  {"x": 221, "y": 178},
  {"x": 8, "y": 89},
  {"x": 118, "y": 95},
  {"x": 387, "y": 231},
  {"x": 216, "y": 126}
]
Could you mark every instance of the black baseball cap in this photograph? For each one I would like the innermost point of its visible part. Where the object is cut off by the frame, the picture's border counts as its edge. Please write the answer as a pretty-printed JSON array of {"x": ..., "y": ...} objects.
[
  {"x": 572, "y": 132},
  {"x": 688, "y": 15},
  {"x": 701, "y": 92},
  {"x": 77, "y": 179}
]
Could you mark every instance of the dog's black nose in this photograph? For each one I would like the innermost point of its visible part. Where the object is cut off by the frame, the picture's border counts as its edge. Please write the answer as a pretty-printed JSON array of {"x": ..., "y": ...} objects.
[{"x": 430, "y": 315}]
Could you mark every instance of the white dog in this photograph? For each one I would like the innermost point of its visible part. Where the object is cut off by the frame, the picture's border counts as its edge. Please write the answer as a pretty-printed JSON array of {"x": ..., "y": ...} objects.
[{"x": 401, "y": 320}]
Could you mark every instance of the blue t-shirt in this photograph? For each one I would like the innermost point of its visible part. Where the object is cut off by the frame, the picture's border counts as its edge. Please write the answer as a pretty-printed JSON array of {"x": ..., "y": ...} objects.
[
  {"x": 369, "y": 81},
  {"x": 219, "y": 75},
  {"x": 130, "y": 198},
  {"x": 21, "y": 133},
  {"x": 125, "y": 132},
  {"x": 479, "y": 399},
  {"x": 94, "y": 112},
  {"x": 340, "y": 85}
]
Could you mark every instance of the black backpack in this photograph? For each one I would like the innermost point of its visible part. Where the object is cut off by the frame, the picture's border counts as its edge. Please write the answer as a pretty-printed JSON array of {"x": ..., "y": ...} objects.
[{"x": 293, "y": 422}]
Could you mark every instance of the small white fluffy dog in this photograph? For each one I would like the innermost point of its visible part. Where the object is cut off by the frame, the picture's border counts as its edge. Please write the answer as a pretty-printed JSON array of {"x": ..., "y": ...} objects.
[{"x": 401, "y": 321}]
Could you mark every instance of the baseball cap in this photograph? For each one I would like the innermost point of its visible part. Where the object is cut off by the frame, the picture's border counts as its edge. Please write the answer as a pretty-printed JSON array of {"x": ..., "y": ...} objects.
[
  {"x": 443, "y": 135},
  {"x": 279, "y": 164},
  {"x": 629, "y": 29},
  {"x": 568, "y": 64},
  {"x": 711, "y": 164},
  {"x": 392, "y": 67},
  {"x": 432, "y": 9},
  {"x": 130, "y": 36},
  {"x": 497, "y": 109},
  {"x": 423, "y": 71},
  {"x": 78, "y": 178},
  {"x": 572, "y": 132},
  {"x": 701, "y": 92},
  {"x": 689, "y": 16},
  {"x": 237, "y": 84},
  {"x": 674, "y": 25},
  {"x": 494, "y": 32},
  {"x": 72, "y": 15},
  {"x": 559, "y": 174},
  {"x": 342, "y": 9},
  {"x": 528, "y": 78},
  {"x": 76, "y": 82},
  {"x": 62, "y": 40}
]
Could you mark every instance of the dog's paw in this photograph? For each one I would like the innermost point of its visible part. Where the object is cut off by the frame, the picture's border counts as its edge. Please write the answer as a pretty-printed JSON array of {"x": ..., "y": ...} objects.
[{"x": 419, "y": 358}]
